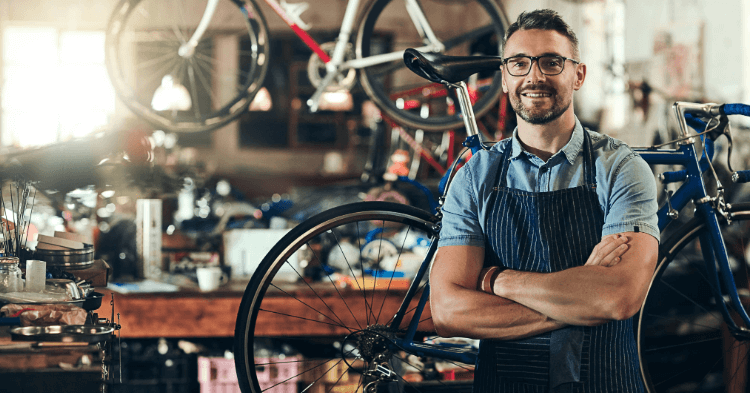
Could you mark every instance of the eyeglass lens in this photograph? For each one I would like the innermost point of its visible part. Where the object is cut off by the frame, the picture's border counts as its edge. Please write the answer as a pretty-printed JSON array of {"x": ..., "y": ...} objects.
[{"x": 549, "y": 65}]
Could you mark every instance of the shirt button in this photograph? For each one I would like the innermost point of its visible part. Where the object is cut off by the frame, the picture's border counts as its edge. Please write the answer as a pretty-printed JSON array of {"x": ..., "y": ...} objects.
[{"x": 543, "y": 169}]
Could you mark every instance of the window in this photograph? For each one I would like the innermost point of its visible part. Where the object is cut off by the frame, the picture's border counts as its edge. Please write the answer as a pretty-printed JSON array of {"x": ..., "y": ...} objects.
[{"x": 55, "y": 85}]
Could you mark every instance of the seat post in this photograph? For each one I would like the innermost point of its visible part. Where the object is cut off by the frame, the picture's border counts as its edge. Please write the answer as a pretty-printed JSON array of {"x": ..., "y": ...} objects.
[{"x": 470, "y": 121}]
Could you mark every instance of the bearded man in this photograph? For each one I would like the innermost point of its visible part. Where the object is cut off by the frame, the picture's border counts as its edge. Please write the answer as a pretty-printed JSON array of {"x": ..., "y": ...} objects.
[{"x": 550, "y": 238}]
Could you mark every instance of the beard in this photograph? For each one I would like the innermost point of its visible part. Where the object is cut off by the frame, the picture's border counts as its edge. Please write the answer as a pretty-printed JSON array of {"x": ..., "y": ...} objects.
[{"x": 534, "y": 115}]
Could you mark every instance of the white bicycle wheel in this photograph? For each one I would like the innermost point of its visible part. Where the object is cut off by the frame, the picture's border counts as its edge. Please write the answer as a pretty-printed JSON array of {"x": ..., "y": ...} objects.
[{"x": 178, "y": 88}]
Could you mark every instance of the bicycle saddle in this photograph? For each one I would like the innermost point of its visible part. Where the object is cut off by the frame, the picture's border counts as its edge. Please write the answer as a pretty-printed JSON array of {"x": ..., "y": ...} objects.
[{"x": 452, "y": 69}]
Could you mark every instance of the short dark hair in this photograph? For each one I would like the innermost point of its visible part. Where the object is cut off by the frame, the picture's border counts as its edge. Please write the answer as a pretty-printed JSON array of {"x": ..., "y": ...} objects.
[{"x": 543, "y": 20}]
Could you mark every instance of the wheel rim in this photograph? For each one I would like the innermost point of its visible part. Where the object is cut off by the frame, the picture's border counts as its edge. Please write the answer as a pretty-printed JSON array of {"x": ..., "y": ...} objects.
[
  {"x": 355, "y": 326},
  {"x": 219, "y": 78},
  {"x": 433, "y": 107},
  {"x": 682, "y": 340}
]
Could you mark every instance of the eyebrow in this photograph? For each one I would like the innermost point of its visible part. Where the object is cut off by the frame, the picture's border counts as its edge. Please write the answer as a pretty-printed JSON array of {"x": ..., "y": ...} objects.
[{"x": 543, "y": 54}]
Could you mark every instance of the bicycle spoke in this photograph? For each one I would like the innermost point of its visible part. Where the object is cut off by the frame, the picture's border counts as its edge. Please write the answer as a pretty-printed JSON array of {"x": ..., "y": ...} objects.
[
  {"x": 337, "y": 380},
  {"x": 156, "y": 77},
  {"x": 690, "y": 299},
  {"x": 194, "y": 91},
  {"x": 321, "y": 376},
  {"x": 393, "y": 272},
  {"x": 205, "y": 82},
  {"x": 337, "y": 291},
  {"x": 339, "y": 323},
  {"x": 742, "y": 364},
  {"x": 351, "y": 270},
  {"x": 302, "y": 318},
  {"x": 179, "y": 33},
  {"x": 316, "y": 293},
  {"x": 324, "y": 362},
  {"x": 156, "y": 60},
  {"x": 703, "y": 380},
  {"x": 682, "y": 372},
  {"x": 661, "y": 317},
  {"x": 375, "y": 279},
  {"x": 362, "y": 268},
  {"x": 682, "y": 345}
]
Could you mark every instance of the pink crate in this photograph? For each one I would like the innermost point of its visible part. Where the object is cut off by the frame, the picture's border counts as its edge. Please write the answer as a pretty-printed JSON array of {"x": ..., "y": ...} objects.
[
  {"x": 271, "y": 371},
  {"x": 286, "y": 387},
  {"x": 218, "y": 370},
  {"x": 218, "y": 375},
  {"x": 217, "y": 387}
]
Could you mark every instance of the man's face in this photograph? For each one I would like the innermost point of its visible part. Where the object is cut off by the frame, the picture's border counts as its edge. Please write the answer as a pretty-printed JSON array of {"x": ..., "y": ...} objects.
[{"x": 539, "y": 98}]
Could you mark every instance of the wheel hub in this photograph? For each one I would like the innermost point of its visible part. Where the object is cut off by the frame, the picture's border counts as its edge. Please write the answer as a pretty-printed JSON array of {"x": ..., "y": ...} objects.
[
  {"x": 316, "y": 69},
  {"x": 373, "y": 342}
]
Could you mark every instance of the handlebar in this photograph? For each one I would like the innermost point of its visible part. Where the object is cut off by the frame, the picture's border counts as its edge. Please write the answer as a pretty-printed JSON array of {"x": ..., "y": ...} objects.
[{"x": 688, "y": 115}]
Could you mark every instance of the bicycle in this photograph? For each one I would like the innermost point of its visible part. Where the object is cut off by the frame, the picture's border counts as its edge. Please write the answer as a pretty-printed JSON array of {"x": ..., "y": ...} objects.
[
  {"x": 380, "y": 338},
  {"x": 183, "y": 72}
]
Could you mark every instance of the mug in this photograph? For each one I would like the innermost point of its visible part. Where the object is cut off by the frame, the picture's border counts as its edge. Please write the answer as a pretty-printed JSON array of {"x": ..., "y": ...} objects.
[{"x": 210, "y": 278}]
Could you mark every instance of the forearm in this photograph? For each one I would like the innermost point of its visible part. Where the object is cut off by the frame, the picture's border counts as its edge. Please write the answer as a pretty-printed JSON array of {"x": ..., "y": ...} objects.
[
  {"x": 587, "y": 295},
  {"x": 470, "y": 313},
  {"x": 577, "y": 296}
]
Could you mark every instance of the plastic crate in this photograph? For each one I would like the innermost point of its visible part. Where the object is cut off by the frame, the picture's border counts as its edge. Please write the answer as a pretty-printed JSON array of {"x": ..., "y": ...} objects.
[
  {"x": 218, "y": 375},
  {"x": 219, "y": 370},
  {"x": 272, "y": 371}
]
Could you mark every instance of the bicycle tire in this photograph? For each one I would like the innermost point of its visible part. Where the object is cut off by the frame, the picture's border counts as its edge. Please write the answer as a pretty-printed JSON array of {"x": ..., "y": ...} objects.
[
  {"x": 142, "y": 41},
  {"x": 390, "y": 85},
  {"x": 332, "y": 328},
  {"x": 680, "y": 333}
]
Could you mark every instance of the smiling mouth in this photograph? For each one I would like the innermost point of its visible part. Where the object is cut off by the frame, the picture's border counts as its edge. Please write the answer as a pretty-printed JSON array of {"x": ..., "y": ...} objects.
[{"x": 536, "y": 95}]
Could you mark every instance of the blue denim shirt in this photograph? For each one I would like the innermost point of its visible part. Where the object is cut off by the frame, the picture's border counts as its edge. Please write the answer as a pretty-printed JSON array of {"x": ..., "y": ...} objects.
[{"x": 625, "y": 185}]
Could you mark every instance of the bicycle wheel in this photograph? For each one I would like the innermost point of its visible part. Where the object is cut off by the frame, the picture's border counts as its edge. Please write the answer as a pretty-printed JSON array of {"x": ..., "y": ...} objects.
[
  {"x": 464, "y": 27},
  {"x": 324, "y": 332},
  {"x": 176, "y": 88},
  {"x": 683, "y": 342}
]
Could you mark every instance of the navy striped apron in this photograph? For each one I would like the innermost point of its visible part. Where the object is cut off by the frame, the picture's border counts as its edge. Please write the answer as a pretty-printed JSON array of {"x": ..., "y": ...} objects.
[{"x": 550, "y": 232}]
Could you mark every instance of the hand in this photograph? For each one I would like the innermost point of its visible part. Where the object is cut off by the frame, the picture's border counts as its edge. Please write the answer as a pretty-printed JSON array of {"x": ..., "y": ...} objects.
[{"x": 607, "y": 253}]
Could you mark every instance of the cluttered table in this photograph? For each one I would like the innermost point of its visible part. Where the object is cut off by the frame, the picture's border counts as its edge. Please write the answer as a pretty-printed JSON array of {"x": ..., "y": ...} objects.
[{"x": 188, "y": 312}]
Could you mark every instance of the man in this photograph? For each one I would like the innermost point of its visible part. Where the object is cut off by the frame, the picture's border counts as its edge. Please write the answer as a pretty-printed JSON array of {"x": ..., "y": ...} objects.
[{"x": 549, "y": 239}]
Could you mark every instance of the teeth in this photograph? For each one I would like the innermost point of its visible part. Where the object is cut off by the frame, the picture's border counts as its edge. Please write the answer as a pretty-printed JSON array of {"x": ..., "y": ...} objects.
[{"x": 536, "y": 95}]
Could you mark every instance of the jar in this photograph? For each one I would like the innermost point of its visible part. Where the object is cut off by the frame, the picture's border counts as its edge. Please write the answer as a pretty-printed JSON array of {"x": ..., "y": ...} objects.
[{"x": 10, "y": 275}]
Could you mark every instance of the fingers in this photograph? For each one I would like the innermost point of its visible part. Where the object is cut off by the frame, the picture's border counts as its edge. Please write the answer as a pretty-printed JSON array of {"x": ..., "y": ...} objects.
[{"x": 608, "y": 252}]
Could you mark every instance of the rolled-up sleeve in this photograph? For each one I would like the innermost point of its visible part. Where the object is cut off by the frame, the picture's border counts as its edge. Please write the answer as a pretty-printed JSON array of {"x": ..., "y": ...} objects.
[
  {"x": 632, "y": 203},
  {"x": 460, "y": 224}
]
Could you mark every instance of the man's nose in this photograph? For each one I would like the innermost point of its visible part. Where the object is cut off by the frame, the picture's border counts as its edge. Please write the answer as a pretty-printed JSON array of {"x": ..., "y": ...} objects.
[{"x": 535, "y": 74}]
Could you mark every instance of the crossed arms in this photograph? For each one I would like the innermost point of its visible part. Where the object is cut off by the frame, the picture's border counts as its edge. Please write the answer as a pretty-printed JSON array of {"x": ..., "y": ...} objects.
[{"x": 610, "y": 286}]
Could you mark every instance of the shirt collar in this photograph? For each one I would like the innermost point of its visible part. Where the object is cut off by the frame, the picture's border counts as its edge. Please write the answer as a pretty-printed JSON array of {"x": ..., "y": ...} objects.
[{"x": 571, "y": 149}]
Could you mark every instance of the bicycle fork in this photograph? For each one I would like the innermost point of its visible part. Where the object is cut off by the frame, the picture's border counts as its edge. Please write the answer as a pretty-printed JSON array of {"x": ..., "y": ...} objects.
[{"x": 711, "y": 240}]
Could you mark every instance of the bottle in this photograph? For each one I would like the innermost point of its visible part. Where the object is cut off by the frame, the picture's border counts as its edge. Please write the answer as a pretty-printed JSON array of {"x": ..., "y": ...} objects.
[{"x": 10, "y": 275}]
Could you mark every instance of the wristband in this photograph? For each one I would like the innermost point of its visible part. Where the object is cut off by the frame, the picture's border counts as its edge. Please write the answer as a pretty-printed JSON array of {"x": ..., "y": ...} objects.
[{"x": 489, "y": 278}]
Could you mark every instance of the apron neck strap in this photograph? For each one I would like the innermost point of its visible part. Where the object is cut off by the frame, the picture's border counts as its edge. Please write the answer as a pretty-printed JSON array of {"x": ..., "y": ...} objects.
[{"x": 589, "y": 170}]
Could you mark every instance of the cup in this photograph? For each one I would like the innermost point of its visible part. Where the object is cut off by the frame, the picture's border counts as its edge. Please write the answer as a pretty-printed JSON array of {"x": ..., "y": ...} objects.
[
  {"x": 210, "y": 278},
  {"x": 36, "y": 275}
]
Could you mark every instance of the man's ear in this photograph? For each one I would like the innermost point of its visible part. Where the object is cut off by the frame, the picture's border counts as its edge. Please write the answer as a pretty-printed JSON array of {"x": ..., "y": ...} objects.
[
  {"x": 502, "y": 79},
  {"x": 580, "y": 76}
]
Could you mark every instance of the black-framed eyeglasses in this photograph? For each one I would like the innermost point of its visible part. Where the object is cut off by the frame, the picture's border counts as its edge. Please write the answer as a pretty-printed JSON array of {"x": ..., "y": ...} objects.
[{"x": 548, "y": 64}]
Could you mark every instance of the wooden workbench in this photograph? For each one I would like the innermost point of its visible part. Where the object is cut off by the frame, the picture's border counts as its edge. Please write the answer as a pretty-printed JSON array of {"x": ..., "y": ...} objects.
[{"x": 191, "y": 313}]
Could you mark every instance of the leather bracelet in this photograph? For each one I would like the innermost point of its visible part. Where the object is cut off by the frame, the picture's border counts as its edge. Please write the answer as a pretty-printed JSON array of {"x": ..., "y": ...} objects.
[{"x": 489, "y": 278}]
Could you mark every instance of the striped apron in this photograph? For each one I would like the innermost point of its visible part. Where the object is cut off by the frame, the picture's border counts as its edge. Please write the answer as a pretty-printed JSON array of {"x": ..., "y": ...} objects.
[{"x": 550, "y": 232}]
